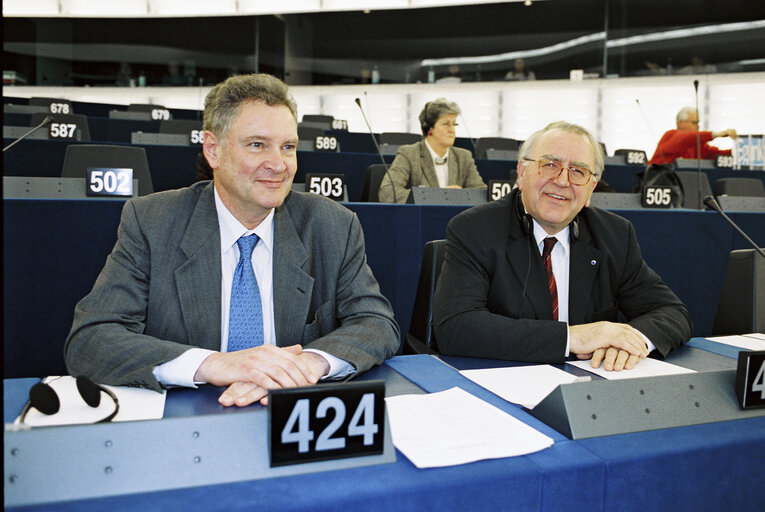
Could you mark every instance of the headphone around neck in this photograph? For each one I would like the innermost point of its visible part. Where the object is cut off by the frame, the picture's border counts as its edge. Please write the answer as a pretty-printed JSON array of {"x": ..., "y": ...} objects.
[{"x": 527, "y": 221}]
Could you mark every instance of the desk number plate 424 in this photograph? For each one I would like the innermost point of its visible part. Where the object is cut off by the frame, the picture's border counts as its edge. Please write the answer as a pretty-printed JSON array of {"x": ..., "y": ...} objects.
[{"x": 326, "y": 421}]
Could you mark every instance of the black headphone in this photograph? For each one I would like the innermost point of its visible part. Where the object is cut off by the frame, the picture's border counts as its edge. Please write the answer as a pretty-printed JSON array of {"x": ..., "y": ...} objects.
[
  {"x": 44, "y": 398},
  {"x": 527, "y": 221}
]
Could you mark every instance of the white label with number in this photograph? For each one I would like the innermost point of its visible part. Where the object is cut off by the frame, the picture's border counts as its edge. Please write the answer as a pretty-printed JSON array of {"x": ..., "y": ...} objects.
[
  {"x": 326, "y": 186},
  {"x": 499, "y": 190},
  {"x": 59, "y": 108},
  {"x": 658, "y": 196},
  {"x": 197, "y": 136},
  {"x": 635, "y": 157},
  {"x": 111, "y": 181},
  {"x": 160, "y": 114},
  {"x": 62, "y": 130},
  {"x": 326, "y": 143}
]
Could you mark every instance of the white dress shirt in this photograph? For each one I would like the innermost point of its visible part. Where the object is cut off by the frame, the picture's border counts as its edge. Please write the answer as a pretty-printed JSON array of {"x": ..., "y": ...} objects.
[
  {"x": 180, "y": 371},
  {"x": 442, "y": 170},
  {"x": 560, "y": 258}
]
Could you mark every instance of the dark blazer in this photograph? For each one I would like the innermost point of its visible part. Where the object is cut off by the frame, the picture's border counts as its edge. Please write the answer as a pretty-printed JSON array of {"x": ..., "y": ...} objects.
[
  {"x": 413, "y": 167},
  {"x": 492, "y": 298},
  {"x": 159, "y": 292}
]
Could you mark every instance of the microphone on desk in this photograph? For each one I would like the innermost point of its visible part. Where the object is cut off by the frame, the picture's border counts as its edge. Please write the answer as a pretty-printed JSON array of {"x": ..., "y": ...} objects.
[
  {"x": 698, "y": 138},
  {"x": 377, "y": 146},
  {"x": 710, "y": 202},
  {"x": 44, "y": 122}
]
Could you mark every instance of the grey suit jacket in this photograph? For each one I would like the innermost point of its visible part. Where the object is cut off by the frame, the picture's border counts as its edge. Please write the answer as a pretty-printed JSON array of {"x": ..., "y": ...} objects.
[
  {"x": 159, "y": 292},
  {"x": 413, "y": 167},
  {"x": 492, "y": 298}
]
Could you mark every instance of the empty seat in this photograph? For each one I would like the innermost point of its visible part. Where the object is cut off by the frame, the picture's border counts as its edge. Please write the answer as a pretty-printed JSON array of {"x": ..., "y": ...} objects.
[
  {"x": 184, "y": 126},
  {"x": 484, "y": 144},
  {"x": 399, "y": 138},
  {"x": 79, "y": 120},
  {"x": 695, "y": 188},
  {"x": 746, "y": 187},
  {"x": 372, "y": 180},
  {"x": 81, "y": 156}
]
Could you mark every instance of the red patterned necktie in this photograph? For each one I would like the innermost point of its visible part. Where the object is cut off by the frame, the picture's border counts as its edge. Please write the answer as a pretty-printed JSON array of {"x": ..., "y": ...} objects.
[{"x": 549, "y": 243}]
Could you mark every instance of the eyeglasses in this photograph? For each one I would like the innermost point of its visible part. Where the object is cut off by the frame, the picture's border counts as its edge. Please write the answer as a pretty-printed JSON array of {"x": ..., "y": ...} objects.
[{"x": 550, "y": 169}]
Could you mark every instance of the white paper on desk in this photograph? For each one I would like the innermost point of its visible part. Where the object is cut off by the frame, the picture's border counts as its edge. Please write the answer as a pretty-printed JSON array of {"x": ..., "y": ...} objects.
[
  {"x": 646, "y": 368},
  {"x": 135, "y": 404},
  {"x": 754, "y": 341},
  {"x": 454, "y": 427},
  {"x": 523, "y": 385}
]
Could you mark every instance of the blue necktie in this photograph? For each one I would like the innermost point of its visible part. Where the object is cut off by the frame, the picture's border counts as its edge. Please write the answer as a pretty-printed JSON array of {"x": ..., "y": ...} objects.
[{"x": 245, "y": 320}]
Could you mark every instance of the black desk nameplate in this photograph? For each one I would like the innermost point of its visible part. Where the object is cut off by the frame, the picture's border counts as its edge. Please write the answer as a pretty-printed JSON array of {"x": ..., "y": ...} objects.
[
  {"x": 103, "y": 181},
  {"x": 582, "y": 410},
  {"x": 326, "y": 422},
  {"x": 498, "y": 189},
  {"x": 327, "y": 185},
  {"x": 750, "y": 379}
]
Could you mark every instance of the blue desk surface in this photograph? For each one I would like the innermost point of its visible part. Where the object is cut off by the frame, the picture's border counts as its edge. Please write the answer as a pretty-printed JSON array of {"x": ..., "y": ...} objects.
[{"x": 703, "y": 467}]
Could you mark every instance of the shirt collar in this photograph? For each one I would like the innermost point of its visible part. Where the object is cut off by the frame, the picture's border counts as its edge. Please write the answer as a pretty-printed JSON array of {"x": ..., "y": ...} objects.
[
  {"x": 433, "y": 154},
  {"x": 231, "y": 229},
  {"x": 540, "y": 234}
]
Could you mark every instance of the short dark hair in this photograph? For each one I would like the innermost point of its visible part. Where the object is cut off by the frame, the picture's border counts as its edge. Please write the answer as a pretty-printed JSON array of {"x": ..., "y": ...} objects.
[
  {"x": 223, "y": 101},
  {"x": 433, "y": 110}
]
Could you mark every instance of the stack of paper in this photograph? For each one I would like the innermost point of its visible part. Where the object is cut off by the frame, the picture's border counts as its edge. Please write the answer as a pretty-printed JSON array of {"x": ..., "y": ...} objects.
[{"x": 454, "y": 427}]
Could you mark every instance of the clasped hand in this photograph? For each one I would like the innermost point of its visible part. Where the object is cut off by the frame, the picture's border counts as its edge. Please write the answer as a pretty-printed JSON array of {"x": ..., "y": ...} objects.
[
  {"x": 617, "y": 346},
  {"x": 250, "y": 373}
]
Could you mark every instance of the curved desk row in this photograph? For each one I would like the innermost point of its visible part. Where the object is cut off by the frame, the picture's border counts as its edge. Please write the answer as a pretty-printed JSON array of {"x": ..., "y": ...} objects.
[
  {"x": 54, "y": 249},
  {"x": 707, "y": 467},
  {"x": 175, "y": 166}
]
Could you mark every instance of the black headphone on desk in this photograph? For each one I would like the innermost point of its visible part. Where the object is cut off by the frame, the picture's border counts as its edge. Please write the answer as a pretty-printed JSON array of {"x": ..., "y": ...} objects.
[{"x": 44, "y": 398}]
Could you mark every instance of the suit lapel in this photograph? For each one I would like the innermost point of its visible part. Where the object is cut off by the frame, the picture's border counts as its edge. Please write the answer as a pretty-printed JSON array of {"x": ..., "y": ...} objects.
[
  {"x": 198, "y": 279},
  {"x": 428, "y": 169},
  {"x": 583, "y": 266},
  {"x": 522, "y": 252},
  {"x": 293, "y": 287},
  {"x": 454, "y": 168}
]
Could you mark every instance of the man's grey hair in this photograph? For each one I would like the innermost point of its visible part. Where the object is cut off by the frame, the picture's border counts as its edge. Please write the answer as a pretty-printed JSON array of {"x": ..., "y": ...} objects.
[
  {"x": 600, "y": 158},
  {"x": 685, "y": 113},
  {"x": 433, "y": 110},
  {"x": 223, "y": 101}
]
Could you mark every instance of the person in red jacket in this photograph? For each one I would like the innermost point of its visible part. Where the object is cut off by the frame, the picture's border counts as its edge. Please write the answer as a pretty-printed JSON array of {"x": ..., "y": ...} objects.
[{"x": 681, "y": 143}]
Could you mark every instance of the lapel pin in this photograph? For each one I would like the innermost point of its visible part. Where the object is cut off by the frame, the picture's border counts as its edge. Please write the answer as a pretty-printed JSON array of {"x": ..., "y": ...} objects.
[{"x": 593, "y": 262}]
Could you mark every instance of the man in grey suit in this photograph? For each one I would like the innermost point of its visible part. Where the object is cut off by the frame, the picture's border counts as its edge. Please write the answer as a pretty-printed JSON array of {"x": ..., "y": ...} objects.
[
  {"x": 434, "y": 161},
  {"x": 539, "y": 275},
  {"x": 160, "y": 311}
]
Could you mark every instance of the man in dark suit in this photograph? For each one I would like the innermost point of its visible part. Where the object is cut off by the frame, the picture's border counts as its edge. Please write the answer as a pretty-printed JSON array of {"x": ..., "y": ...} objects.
[
  {"x": 163, "y": 310},
  {"x": 496, "y": 297},
  {"x": 434, "y": 161}
]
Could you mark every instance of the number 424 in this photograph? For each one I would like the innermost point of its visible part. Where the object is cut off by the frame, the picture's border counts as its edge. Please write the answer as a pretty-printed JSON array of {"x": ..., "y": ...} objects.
[{"x": 297, "y": 429}]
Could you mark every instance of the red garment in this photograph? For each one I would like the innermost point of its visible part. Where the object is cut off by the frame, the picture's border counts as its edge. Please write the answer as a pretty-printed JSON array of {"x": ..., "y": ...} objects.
[{"x": 682, "y": 144}]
